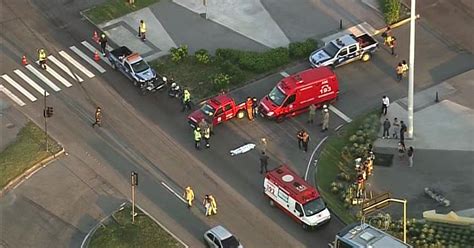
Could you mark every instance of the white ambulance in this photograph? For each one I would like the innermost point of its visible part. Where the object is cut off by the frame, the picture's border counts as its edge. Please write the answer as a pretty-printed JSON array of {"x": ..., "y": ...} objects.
[{"x": 295, "y": 197}]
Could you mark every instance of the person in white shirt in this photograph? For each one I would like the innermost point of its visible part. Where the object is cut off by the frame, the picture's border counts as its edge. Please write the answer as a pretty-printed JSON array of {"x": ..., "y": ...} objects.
[{"x": 385, "y": 104}]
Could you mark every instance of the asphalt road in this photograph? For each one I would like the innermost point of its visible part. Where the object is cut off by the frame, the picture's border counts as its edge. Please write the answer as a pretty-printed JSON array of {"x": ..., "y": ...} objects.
[{"x": 149, "y": 134}]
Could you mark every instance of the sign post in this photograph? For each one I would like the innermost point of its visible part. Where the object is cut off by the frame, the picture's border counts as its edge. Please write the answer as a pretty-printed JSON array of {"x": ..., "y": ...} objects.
[{"x": 133, "y": 182}]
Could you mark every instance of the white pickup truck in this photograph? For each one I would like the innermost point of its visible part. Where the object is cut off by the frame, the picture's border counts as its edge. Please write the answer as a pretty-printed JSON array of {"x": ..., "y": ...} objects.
[{"x": 343, "y": 50}]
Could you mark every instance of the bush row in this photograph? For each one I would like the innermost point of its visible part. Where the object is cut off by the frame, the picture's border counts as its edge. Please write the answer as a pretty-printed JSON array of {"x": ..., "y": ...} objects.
[{"x": 391, "y": 10}]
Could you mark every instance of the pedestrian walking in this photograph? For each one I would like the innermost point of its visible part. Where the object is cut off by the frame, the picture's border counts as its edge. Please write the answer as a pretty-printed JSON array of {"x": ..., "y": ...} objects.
[
  {"x": 186, "y": 100},
  {"x": 197, "y": 138},
  {"x": 396, "y": 128},
  {"x": 403, "y": 129},
  {"x": 203, "y": 125},
  {"x": 98, "y": 117},
  {"x": 387, "y": 32},
  {"x": 263, "y": 145},
  {"x": 189, "y": 196},
  {"x": 305, "y": 141},
  {"x": 299, "y": 135},
  {"x": 385, "y": 104},
  {"x": 410, "y": 154},
  {"x": 142, "y": 30},
  {"x": 405, "y": 67},
  {"x": 386, "y": 129},
  {"x": 325, "y": 120},
  {"x": 207, "y": 205},
  {"x": 263, "y": 162},
  {"x": 322, "y": 114},
  {"x": 213, "y": 204},
  {"x": 207, "y": 135},
  {"x": 390, "y": 41},
  {"x": 42, "y": 58},
  {"x": 249, "y": 108},
  {"x": 103, "y": 44},
  {"x": 401, "y": 150},
  {"x": 399, "y": 71},
  {"x": 311, "y": 113}
]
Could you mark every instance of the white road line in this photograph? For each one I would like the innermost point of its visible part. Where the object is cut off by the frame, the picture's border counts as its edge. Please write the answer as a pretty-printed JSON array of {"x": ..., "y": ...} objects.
[
  {"x": 65, "y": 68},
  {"x": 87, "y": 59},
  {"x": 76, "y": 64},
  {"x": 57, "y": 76},
  {"x": 12, "y": 96},
  {"x": 311, "y": 158},
  {"x": 340, "y": 114},
  {"x": 93, "y": 49},
  {"x": 43, "y": 78},
  {"x": 31, "y": 82},
  {"x": 174, "y": 192},
  {"x": 19, "y": 87},
  {"x": 284, "y": 74}
]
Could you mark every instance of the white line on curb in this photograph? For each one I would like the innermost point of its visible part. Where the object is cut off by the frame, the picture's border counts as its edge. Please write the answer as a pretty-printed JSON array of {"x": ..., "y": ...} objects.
[
  {"x": 57, "y": 76},
  {"x": 12, "y": 96},
  {"x": 87, "y": 59},
  {"x": 19, "y": 87},
  {"x": 174, "y": 192},
  {"x": 76, "y": 64},
  {"x": 311, "y": 158},
  {"x": 65, "y": 68},
  {"x": 31, "y": 82},
  {"x": 43, "y": 78},
  {"x": 284, "y": 74},
  {"x": 93, "y": 49},
  {"x": 340, "y": 114}
]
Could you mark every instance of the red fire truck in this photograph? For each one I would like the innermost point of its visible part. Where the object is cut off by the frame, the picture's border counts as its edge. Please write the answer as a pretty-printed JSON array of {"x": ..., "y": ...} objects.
[{"x": 295, "y": 197}]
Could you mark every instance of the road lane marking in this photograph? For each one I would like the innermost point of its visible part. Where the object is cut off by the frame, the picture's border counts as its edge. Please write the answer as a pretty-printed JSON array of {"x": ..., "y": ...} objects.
[
  {"x": 174, "y": 192},
  {"x": 87, "y": 59},
  {"x": 93, "y": 49},
  {"x": 42, "y": 77},
  {"x": 19, "y": 87},
  {"x": 65, "y": 68},
  {"x": 311, "y": 158},
  {"x": 57, "y": 76},
  {"x": 284, "y": 74},
  {"x": 12, "y": 96},
  {"x": 76, "y": 64},
  {"x": 31, "y": 82},
  {"x": 340, "y": 114}
]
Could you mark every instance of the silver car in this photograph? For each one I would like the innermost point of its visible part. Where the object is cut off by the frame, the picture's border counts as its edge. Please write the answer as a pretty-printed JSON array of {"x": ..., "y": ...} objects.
[{"x": 219, "y": 237}]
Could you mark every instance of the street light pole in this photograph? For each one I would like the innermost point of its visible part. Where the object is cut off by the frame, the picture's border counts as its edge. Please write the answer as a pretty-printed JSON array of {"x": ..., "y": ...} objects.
[
  {"x": 45, "y": 122},
  {"x": 411, "y": 71}
]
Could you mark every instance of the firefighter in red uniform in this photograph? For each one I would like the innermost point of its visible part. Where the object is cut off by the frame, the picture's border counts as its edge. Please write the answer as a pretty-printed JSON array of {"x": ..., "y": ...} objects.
[{"x": 249, "y": 107}]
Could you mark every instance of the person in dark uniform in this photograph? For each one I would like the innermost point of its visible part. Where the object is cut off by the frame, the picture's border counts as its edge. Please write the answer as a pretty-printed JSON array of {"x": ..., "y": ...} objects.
[
  {"x": 103, "y": 44},
  {"x": 98, "y": 117}
]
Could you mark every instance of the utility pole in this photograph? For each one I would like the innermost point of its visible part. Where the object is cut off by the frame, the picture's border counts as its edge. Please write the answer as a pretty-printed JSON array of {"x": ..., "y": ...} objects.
[
  {"x": 47, "y": 112},
  {"x": 411, "y": 71},
  {"x": 133, "y": 183}
]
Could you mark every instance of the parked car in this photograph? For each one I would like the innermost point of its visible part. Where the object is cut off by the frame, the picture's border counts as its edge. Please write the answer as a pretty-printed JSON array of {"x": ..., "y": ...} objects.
[{"x": 219, "y": 237}]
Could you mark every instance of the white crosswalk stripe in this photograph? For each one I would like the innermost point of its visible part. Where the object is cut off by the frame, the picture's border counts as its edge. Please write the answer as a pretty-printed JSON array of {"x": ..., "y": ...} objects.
[
  {"x": 65, "y": 68},
  {"x": 340, "y": 114},
  {"x": 19, "y": 87},
  {"x": 31, "y": 82},
  {"x": 42, "y": 77},
  {"x": 57, "y": 76},
  {"x": 12, "y": 96},
  {"x": 93, "y": 49},
  {"x": 87, "y": 59},
  {"x": 76, "y": 64}
]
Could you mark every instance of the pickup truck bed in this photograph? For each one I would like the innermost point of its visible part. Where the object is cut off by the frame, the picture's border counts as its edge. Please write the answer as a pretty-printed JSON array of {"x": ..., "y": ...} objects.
[{"x": 365, "y": 40}]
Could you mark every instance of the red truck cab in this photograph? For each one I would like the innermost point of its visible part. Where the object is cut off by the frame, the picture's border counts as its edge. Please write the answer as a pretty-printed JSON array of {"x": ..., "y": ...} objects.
[
  {"x": 216, "y": 110},
  {"x": 295, "y": 93}
]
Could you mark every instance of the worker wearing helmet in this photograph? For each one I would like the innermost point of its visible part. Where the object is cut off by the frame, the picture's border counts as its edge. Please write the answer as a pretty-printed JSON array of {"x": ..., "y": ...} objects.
[
  {"x": 189, "y": 196},
  {"x": 325, "y": 120},
  {"x": 103, "y": 43},
  {"x": 98, "y": 117},
  {"x": 213, "y": 204},
  {"x": 197, "y": 137},
  {"x": 207, "y": 205},
  {"x": 186, "y": 100},
  {"x": 42, "y": 58},
  {"x": 207, "y": 135}
]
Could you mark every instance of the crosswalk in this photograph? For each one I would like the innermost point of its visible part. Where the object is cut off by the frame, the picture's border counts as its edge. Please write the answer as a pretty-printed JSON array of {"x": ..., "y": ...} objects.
[{"x": 28, "y": 84}]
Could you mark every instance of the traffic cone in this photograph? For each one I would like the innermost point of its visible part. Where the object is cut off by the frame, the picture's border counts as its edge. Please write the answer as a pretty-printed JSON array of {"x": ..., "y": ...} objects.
[
  {"x": 23, "y": 60},
  {"x": 96, "y": 56},
  {"x": 95, "y": 37}
]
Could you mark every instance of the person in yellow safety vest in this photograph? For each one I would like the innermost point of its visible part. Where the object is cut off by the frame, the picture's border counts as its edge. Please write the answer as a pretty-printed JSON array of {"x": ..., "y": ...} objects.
[
  {"x": 207, "y": 136},
  {"x": 207, "y": 205},
  {"x": 186, "y": 100},
  {"x": 197, "y": 137},
  {"x": 189, "y": 196},
  {"x": 213, "y": 204},
  {"x": 142, "y": 30},
  {"x": 42, "y": 58}
]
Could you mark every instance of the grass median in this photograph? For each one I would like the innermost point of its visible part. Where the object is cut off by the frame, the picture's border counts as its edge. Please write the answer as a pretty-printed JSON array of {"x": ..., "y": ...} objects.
[
  {"x": 119, "y": 232},
  {"x": 112, "y": 9},
  {"x": 27, "y": 150}
]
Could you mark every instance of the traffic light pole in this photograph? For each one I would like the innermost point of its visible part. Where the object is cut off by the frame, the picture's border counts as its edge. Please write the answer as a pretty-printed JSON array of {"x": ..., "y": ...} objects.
[{"x": 45, "y": 122}]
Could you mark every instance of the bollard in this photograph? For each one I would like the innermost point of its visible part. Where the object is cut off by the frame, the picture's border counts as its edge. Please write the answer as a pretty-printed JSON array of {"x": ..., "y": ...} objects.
[
  {"x": 437, "y": 98},
  {"x": 340, "y": 24}
]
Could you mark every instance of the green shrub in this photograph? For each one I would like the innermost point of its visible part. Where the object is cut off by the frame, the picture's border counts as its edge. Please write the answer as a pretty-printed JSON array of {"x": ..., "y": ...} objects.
[
  {"x": 302, "y": 49},
  {"x": 226, "y": 54},
  {"x": 179, "y": 54},
  {"x": 254, "y": 61},
  {"x": 202, "y": 56},
  {"x": 236, "y": 74},
  {"x": 220, "y": 81},
  {"x": 391, "y": 10}
]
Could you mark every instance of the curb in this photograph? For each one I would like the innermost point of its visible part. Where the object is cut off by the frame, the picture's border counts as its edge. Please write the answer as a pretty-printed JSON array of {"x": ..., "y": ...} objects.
[
  {"x": 30, "y": 172},
  {"x": 396, "y": 24}
]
